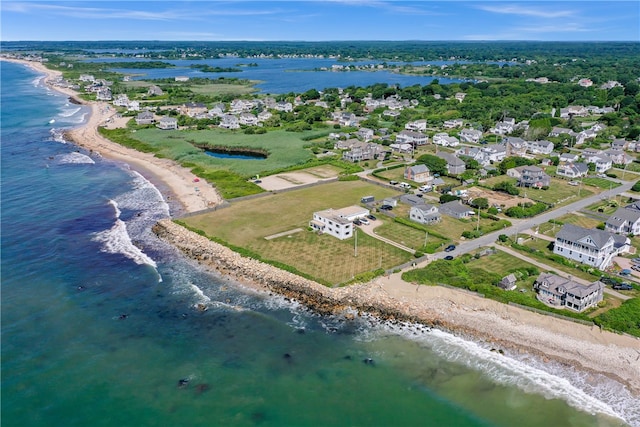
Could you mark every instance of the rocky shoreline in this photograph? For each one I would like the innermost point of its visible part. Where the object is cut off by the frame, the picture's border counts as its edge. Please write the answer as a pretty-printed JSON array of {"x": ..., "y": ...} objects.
[
  {"x": 498, "y": 325},
  {"x": 317, "y": 297}
]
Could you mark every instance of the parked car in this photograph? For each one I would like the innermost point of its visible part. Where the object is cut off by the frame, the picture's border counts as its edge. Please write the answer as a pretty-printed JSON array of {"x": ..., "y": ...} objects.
[
  {"x": 609, "y": 280},
  {"x": 450, "y": 248},
  {"x": 371, "y": 217},
  {"x": 386, "y": 207},
  {"x": 357, "y": 222},
  {"x": 625, "y": 272},
  {"x": 623, "y": 287},
  {"x": 364, "y": 221},
  {"x": 448, "y": 257},
  {"x": 635, "y": 267},
  {"x": 635, "y": 260},
  {"x": 393, "y": 182}
]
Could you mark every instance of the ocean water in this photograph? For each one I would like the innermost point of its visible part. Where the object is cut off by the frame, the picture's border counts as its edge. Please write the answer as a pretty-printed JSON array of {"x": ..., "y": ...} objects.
[{"x": 101, "y": 326}]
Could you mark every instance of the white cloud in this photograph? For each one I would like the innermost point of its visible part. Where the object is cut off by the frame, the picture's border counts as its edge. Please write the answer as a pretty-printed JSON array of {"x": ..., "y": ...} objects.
[
  {"x": 525, "y": 11},
  {"x": 106, "y": 13}
]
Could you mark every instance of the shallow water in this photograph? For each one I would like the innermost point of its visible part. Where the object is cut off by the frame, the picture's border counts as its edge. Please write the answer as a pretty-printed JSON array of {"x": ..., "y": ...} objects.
[{"x": 99, "y": 321}]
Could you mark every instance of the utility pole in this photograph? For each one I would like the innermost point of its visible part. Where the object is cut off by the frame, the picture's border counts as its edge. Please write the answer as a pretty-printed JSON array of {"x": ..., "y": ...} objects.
[
  {"x": 355, "y": 250},
  {"x": 426, "y": 235}
]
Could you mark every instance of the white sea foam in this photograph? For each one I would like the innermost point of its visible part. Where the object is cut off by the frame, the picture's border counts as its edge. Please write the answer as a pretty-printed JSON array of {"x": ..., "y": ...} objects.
[
  {"x": 37, "y": 81},
  {"x": 511, "y": 371},
  {"x": 68, "y": 112},
  {"x": 75, "y": 158},
  {"x": 116, "y": 240}
]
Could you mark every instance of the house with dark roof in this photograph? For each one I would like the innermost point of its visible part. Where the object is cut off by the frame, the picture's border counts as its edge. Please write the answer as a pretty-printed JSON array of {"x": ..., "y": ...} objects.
[
  {"x": 572, "y": 170},
  {"x": 508, "y": 283},
  {"x": 557, "y": 291},
  {"x": 589, "y": 246},
  {"x": 418, "y": 173},
  {"x": 624, "y": 221},
  {"x": 455, "y": 166},
  {"x": 533, "y": 176},
  {"x": 456, "y": 209},
  {"x": 424, "y": 213}
]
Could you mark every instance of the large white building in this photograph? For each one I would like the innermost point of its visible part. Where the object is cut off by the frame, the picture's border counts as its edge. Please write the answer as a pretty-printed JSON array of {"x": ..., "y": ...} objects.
[
  {"x": 337, "y": 222},
  {"x": 589, "y": 246}
]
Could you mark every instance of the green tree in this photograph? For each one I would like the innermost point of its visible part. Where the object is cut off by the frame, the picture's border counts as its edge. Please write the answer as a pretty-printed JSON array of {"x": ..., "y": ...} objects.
[
  {"x": 434, "y": 163},
  {"x": 480, "y": 203}
]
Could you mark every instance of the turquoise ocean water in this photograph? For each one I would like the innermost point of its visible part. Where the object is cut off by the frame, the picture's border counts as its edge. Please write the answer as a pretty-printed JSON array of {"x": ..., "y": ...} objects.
[{"x": 99, "y": 326}]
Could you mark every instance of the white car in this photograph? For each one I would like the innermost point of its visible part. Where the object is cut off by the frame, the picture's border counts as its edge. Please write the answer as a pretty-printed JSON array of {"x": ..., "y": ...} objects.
[{"x": 364, "y": 221}]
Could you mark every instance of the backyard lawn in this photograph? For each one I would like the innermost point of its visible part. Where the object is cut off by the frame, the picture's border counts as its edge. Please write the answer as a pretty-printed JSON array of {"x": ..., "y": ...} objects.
[
  {"x": 558, "y": 193},
  {"x": 246, "y": 223}
]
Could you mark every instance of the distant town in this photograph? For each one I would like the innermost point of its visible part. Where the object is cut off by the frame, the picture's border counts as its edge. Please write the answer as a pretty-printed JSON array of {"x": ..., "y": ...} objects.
[{"x": 521, "y": 180}]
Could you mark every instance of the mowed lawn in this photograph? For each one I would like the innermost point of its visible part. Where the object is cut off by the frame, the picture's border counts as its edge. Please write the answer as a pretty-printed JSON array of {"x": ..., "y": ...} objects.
[
  {"x": 285, "y": 148},
  {"x": 558, "y": 193},
  {"x": 246, "y": 224}
]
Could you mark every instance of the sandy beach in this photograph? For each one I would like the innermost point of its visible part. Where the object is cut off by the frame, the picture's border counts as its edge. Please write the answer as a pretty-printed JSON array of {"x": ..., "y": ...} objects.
[
  {"x": 185, "y": 187},
  {"x": 587, "y": 347}
]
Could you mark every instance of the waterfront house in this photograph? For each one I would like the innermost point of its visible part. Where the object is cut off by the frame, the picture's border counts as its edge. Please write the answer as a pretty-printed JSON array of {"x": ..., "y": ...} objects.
[
  {"x": 424, "y": 213},
  {"x": 508, "y": 282},
  {"x": 589, "y": 246},
  {"x": 557, "y": 291},
  {"x": 167, "y": 123},
  {"x": 418, "y": 173},
  {"x": 248, "y": 119},
  {"x": 337, "y": 222},
  {"x": 193, "y": 109}
]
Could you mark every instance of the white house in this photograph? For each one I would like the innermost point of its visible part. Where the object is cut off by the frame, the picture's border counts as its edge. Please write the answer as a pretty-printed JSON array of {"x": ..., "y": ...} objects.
[
  {"x": 540, "y": 147},
  {"x": 572, "y": 170},
  {"x": 410, "y": 137},
  {"x": 248, "y": 119},
  {"x": 167, "y": 123},
  {"x": 470, "y": 135},
  {"x": 337, "y": 222},
  {"x": 229, "y": 121},
  {"x": 445, "y": 140},
  {"x": 424, "y": 214},
  {"x": 589, "y": 246},
  {"x": 417, "y": 126},
  {"x": 454, "y": 123}
]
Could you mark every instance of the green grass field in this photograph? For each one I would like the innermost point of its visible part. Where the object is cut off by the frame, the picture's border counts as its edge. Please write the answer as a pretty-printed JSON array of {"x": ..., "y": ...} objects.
[
  {"x": 246, "y": 223},
  {"x": 500, "y": 262},
  {"x": 602, "y": 183},
  {"x": 558, "y": 193},
  {"x": 285, "y": 148},
  {"x": 406, "y": 236}
]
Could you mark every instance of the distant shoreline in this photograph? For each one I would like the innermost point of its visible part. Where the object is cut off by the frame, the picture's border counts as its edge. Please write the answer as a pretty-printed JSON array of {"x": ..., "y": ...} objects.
[
  {"x": 180, "y": 181},
  {"x": 586, "y": 347}
]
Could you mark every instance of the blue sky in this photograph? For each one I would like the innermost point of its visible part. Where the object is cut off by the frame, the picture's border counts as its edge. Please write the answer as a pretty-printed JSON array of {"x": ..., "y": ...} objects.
[{"x": 320, "y": 20}]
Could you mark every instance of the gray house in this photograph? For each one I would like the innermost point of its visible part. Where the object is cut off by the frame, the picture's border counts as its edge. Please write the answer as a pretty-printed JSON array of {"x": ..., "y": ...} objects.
[
  {"x": 455, "y": 166},
  {"x": 145, "y": 118},
  {"x": 508, "y": 283},
  {"x": 558, "y": 291},
  {"x": 424, "y": 214},
  {"x": 456, "y": 209},
  {"x": 624, "y": 221}
]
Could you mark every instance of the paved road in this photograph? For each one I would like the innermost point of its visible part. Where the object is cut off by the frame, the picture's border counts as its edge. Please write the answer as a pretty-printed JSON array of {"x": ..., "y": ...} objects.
[{"x": 524, "y": 224}]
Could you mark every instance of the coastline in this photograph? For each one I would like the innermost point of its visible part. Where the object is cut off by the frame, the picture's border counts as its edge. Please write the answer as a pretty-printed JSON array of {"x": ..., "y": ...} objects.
[
  {"x": 587, "y": 348},
  {"x": 390, "y": 298},
  {"x": 192, "y": 194}
]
